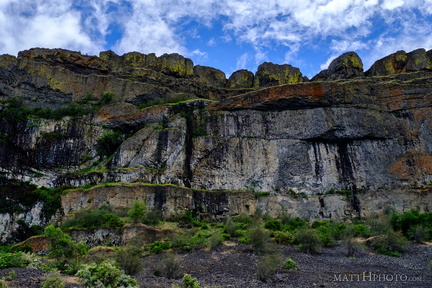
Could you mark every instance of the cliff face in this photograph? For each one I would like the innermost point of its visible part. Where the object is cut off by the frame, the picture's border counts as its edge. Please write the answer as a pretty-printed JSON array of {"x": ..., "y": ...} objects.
[{"x": 322, "y": 149}]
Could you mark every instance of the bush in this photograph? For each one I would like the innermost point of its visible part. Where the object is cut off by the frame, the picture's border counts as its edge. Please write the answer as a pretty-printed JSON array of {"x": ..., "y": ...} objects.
[
  {"x": 11, "y": 260},
  {"x": 290, "y": 264},
  {"x": 64, "y": 250},
  {"x": 3, "y": 284},
  {"x": 231, "y": 227},
  {"x": 169, "y": 267},
  {"x": 404, "y": 222},
  {"x": 104, "y": 217},
  {"x": 274, "y": 224},
  {"x": 138, "y": 211},
  {"x": 107, "y": 98},
  {"x": 105, "y": 274},
  {"x": 283, "y": 238},
  {"x": 258, "y": 238},
  {"x": 392, "y": 244},
  {"x": 293, "y": 223},
  {"x": 190, "y": 282},
  {"x": 308, "y": 240},
  {"x": 215, "y": 240},
  {"x": 157, "y": 247},
  {"x": 108, "y": 143},
  {"x": 378, "y": 226},
  {"x": 419, "y": 233},
  {"x": 11, "y": 275},
  {"x": 53, "y": 280},
  {"x": 268, "y": 265},
  {"x": 361, "y": 230},
  {"x": 128, "y": 259},
  {"x": 188, "y": 241}
]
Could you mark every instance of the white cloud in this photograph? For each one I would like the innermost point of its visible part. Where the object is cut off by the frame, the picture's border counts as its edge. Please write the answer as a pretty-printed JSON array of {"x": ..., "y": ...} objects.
[
  {"x": 50, "y": 23},
  {"x": 242, "y": 61},
  {"x": 392, "y": 4}
]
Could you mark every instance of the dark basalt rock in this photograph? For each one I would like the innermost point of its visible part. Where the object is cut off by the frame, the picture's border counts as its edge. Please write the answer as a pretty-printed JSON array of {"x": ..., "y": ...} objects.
[
  {"x": 241, "y": 79},
  {"x": 210, "y": 76},
  {"x": 346, "y": 66},
  {"x": 401, "y": 62},
  {"x": 270, "y": 74}
]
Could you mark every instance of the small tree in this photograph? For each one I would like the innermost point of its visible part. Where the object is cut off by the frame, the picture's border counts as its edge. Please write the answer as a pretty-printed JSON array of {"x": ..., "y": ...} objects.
[
  {"x": 308, "y": 240},
  {"x": 138, "y": 211},
  {"x": 64, "y": 249}
]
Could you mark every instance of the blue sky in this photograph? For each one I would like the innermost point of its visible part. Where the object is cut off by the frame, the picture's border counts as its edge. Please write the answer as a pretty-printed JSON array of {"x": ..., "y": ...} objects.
[{"x": 224, "y": 34}]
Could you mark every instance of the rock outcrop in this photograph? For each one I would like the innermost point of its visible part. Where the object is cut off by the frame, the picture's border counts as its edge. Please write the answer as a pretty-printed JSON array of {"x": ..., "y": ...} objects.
[
  {"x": 346, "y": 66},
  {"x": 142, "y": 127},
  {"x": 241, "y": 79},
  {"x": 270, "y": 74},
  {"x": 400, "y": 62}
]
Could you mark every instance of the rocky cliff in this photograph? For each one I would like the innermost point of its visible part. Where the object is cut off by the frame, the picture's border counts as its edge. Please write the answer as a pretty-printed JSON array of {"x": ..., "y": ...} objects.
[{"x": 135, "y": 127}]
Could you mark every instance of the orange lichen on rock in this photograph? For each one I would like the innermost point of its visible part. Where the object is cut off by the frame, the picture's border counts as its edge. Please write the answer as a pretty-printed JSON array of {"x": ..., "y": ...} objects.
[{"x": 412, "y": 165}]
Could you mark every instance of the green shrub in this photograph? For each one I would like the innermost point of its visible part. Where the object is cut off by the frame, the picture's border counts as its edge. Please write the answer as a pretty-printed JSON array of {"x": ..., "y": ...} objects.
[
  {"x": 378, "y": 225},
  {"x": 128, "y": 259},
  {"x": 107, "y": 98},
  {"x": 108, "y": 143},
  {"x": 3, "y": 284},
  {"x": 11, "y": 275},
  {"x": 392, "y": 243},
  {"x": 138, "y": 211},
  {"x": 290, "y": 264},
  {"x": 308, "y": 240},
  {"x": 190, "y": 282},
  {"x": 216, "y": 240},
  {"x": 274, "y": 224},
  {"x": 268, "y": 265},
  {"x": 188, "y": 241},
  {"x": 64, "y": 250},
  {"x": 326, "y": 238},
  {"x": 404, "y": 222},
  {"x": 243, "y": 219},
  {"x": 283, "y": 238},
  {"x": 231, "y": 227},
  {"x": 293, "y": 223},
  {"x": 169, "y": 267},
  {"x": 258, "y": 238},
  {"x": 103, "y": 217},
  {"x": 53, "y": 280},
  {"x": 361, "y": 230},
  {"x": 419, "y": 233},
  {"x": 11, "y": 260},
  {"x": 107, "y": 274},
  {"x": 157, "y": 247}
]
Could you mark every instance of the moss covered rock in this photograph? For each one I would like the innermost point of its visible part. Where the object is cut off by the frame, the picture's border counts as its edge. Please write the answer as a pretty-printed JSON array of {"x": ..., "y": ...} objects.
[
  {"x": 418, "y": 60},
  {"x": 348, "y": 65},
  {"x": 270, "y": 74},
  {"x": 400, "y": 62},
  {"x": 240, "y": 79},
  {"x": 210, "y": 76}
]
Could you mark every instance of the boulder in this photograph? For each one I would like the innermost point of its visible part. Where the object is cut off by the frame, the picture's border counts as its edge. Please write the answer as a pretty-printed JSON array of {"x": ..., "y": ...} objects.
[
  {"x": 270, "y": 74},
  {"x": 346, "y": 66},
  {"x": 176, "y": 65},
  {"x": 418, "y": 60},
  {"x": 240, "y": 79},
  {"x": 392, "y": 64},
  {"x": 400, "y": 62},
  {"x": 210, "y": 76}
]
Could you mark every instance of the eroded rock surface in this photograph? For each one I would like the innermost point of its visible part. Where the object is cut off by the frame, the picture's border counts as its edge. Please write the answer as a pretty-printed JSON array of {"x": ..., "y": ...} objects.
[{"x": 295, "y": 144}]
